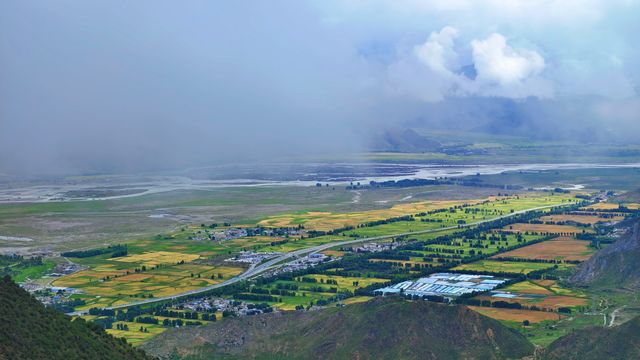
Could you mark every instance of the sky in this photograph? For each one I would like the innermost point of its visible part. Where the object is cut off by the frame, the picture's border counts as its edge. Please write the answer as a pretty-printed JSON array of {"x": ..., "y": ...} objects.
[{"x": 102, "y": 86}]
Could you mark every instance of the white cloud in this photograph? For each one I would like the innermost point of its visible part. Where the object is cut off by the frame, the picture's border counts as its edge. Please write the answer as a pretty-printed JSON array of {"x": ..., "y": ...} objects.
[
  {"x": 432, "y": 71},
  {"x": 495, "y": 61},
  {"x": 437, "y": 52}
]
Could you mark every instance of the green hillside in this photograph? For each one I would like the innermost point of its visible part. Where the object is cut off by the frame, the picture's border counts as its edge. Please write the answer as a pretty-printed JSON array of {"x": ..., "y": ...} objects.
[
  {"x": 383, "y": 328},
  {"x": 28, "y": 330},
  {"x": 620, "y": 342}
]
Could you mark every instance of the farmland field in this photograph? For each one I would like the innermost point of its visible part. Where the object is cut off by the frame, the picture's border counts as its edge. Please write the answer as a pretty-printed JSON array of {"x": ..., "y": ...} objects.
[
  {"x": 516, "y": 315},
  {"x": 611, "y": 206},
  {"x": 315, "y": 220},
  {"x": 504, "y": 266},
  {"x": 561, "y": 248},
  {"x": 185, "y": 259},
  {"x": 115, "y": 281},
  {"x": 581, "y": 219},
  {"x": 479, "y": 209},
  {"x": 546, "y": 229},
  {"x": 544, "y": 294}
]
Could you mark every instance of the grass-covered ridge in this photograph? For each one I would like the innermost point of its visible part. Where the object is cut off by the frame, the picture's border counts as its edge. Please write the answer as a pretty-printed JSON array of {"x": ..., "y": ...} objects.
[{"x": 384, "y": 328}]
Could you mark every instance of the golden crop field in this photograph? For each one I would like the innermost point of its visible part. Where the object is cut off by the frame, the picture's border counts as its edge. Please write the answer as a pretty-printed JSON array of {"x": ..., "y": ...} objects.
[
  {"x": 316, "y": 220},
  {"x": 334, "y": 253},
  {"x": 157, "y": 258},
  {"x": 541, "y": 293},
  {"x": 581, "y": 219},
  {"x": 611, "y": 206},
  {"x": 561, "y": 248},
  {"x": 516, "y": 315},
  {"x": 357, "y": 300},
  {"x": 134, "y": 336}
]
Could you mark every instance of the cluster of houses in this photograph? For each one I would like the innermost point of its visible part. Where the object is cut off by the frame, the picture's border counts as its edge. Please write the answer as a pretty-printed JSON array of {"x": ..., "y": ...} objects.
[
  {"x": 444, "y": 284},
  {"x": 238, "y": 308},
  {"x": 234, "y": 233},
  {"x": 375, "y": 247},
  {"x": 303, "y": 263},
  {"x": 66, "y": 269},
  {"x": 250, "y": 257}
]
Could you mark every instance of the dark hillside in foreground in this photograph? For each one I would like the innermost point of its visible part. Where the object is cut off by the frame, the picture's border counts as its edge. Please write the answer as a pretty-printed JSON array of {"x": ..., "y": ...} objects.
[
  {"x": 615, "y": 266},
  {"x": 384, "y": 328},
  {"x": 620, "y": 342},
  {"x": 28, "y": 330}
]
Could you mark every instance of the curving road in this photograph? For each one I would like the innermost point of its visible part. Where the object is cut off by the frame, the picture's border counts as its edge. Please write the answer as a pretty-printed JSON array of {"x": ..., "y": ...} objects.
[{"x": 281, "y": 260}]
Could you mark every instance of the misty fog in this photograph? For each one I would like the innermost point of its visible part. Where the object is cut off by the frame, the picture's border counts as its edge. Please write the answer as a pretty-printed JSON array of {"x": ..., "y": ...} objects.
[{"x": 133, "y": 86}]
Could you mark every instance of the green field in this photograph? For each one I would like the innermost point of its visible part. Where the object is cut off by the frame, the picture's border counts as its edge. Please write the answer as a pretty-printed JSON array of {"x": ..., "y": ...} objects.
[{"x": 505, "y": 266}]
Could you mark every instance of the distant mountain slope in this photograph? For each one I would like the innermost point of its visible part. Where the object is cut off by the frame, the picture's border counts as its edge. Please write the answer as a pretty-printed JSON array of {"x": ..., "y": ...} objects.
[
  {"x": 615, "y": 266},
  {"x": 383, "y": 328},
  {"x": 629, "y": 196},
  {"x": 28, "y": 330},
  {"x": 407, "y": 140},
  {"x": 620, "y": 342}
]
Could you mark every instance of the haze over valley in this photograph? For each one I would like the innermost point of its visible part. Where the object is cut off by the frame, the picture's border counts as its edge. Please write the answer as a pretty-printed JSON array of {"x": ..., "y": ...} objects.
[{"x": 418, "y": 179}]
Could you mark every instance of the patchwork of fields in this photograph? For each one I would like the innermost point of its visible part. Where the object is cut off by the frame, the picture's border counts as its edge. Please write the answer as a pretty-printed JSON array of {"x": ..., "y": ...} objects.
[
  {"x": 177, "y": 262},
  {"x": 526, "y": 249}
]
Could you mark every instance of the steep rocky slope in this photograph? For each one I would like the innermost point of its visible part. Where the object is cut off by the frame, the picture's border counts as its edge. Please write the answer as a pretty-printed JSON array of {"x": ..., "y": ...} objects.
[{"x": 616, "y": 266}]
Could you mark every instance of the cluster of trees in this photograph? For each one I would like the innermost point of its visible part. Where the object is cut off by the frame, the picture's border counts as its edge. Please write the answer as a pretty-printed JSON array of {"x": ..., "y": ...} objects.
[
  {"x": 475, "y": 182},
  {"x": 279, "y": 242},
  {"x": 179, "y": 323},
  {"x": 119, "y": 250},
  {"x": 9, "y": 264},
  {"x": 256, "y": 297},
  {"x": 547, "y": 261},
  {"x": 31, "y": 331},
  {"x": 68, "y": 305}
]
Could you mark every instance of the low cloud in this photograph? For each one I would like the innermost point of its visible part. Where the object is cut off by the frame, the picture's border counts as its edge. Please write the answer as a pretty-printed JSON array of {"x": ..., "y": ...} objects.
[
  {"x": 88, "y": 87},
  {"x": 434, "y": 69},
  {"x": 497, "y": 62},
  {"x": 437, "y": 53}
]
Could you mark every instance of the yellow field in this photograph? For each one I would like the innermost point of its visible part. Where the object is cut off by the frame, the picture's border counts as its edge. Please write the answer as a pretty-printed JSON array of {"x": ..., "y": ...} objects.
[
  {"x": 561, "y": 248},
  {"x": 543, "y": 294},
  {"x": 357, "y": 300},
  {"x": 334, "y": 253},
  {"x": 134, "y": 336},
  {"x": 611, "y": 206},
  {"x": 528, "y": 287},
  {"x": 516, "y": 314},
  {"x": 316, "y": 220},
  {"x": 581, "y": 219},
  {"x": 157, "y": 258}
]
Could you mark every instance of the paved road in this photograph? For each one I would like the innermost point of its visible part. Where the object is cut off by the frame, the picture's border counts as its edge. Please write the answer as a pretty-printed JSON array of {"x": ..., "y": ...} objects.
[{"x": 255, "y": 270}]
